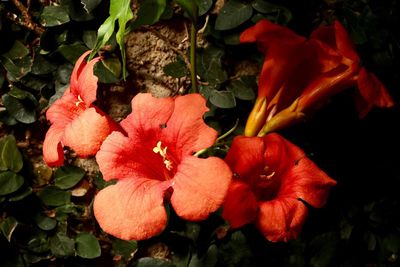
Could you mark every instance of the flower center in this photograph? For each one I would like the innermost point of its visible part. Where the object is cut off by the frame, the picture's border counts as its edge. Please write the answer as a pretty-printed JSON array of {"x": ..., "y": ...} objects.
[
  {"x": 80, "y": 101},
  {"x": 158, "y": 149},
  {"x": 266, "y": 175}
]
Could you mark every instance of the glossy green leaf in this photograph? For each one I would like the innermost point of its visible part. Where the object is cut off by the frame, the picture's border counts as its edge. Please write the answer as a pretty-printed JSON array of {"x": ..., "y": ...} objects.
[
  {"x": 22, "y": 110},
  {"x": 62, "y": 246},
  {"x": 149, "y": 12},
  {"x": 124, "y": 248},
  {"x": 68, "y": 176},
  {"x": 204, "y": 6},
  {"x": 22, "y": 193},
  {"x": 76, "y": 10},
  {"x": 152, "y": 262},
  {"x": 244, "y": 88},
  {"x": 233, "y": 14},
  {"x": 273, "y": 12},
  {"x": 42, "y": 66},
  {"x": 87, "y": 246},
  {"x": 8, "y": 227},
  {"x": 108, "y": 70},
  {"x": 44, "y": 222},
  {"x": 209, "y": 65},
  {"x": 176, "y": 69},
  {"x": 54, "y": 196},
  {"x": 72, "y": 52},
  {"x": 125, "y": 16},
  {"x": 209, "y": 259},
  {"x": 223, "y": 99},
  {"x": 10, "y": 157},
  {"x": 54, "y": 16},
  {"x": 89, "y": 38},
  {"x": 17, "y": 68},
  {"x": 17, "y": 51},
  {"x": 38, "y": 242},
  {"x": 89, "y": 5},
  {"x": 190, "y": 7}
]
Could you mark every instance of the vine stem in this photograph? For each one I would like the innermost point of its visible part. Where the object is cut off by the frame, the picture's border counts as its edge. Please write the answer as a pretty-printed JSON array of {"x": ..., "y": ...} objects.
[{"x": 193, "y": 68}]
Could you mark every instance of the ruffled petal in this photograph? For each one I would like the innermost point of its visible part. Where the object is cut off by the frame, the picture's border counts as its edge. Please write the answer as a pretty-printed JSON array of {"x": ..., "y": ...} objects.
[
  {"x": 299, "y": 176},
  {"x": 186, "y": 130},
  {"x": 65, "y": 109},
  {"x": 281, "y": 219},
  {"x": 86, "y": 133},
  {"x": 87, "y": 83},
  {"x": 149, "y": 116},
  {"x": 245, "y": 156},
  {"x": 120, "y": 156},
  {"x": 53, "y": 153},
  {"x": 240, "y": 205},
  {"x": 132, "y": 209},
  {"x": 200, "y": 186},
  {"x": 337, "y": 38},
  {"x": 76, "y": 72},
  {"x": 371, "y": 93}
]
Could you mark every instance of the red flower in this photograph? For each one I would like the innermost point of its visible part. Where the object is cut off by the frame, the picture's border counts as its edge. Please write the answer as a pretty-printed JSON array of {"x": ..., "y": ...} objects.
[
  {"x": 271, "y": 179},
  {"x": 155, "y": 164},
  {"x": 299, "y": 75},
  {"x": 77, "y": 123}
]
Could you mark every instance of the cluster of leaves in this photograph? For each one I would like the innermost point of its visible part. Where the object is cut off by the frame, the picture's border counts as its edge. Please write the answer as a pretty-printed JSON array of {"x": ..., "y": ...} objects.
[{"x": 45, "y": 215}]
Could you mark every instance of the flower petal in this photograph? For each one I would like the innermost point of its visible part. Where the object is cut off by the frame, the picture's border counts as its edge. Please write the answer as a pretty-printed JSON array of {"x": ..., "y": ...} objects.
[
  {"x": 76, "y": 72},
  {"x": 53, "y": 153},
  {"x": 186, "y": 130},
  {"x": 281, "y": 220},
  {"x": 200, "y": 186},
  {"x": 120, "y": 157},
  {"x": 300, "y": 177},
  {"x": 240, "y": 205},
  {"x": 65, "y": 109},
  {"x": 337, "y": 38},
  {"x": 86, "y": 133},
  {"x": 87, "y": 83},
  {"x": 371, "y": 93},
  {"x": 245, "y": 156},
  {"x": 149, "y": 115},
  {"x": 132, "y": 209}
]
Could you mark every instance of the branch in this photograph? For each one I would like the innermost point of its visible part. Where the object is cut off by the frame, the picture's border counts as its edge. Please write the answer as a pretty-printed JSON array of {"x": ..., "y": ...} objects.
[{"x": 27, "y": 21}]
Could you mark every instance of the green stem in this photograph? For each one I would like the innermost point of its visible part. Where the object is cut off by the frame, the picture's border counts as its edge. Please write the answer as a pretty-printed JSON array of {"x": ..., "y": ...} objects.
[{"x": 193, "y": 69}]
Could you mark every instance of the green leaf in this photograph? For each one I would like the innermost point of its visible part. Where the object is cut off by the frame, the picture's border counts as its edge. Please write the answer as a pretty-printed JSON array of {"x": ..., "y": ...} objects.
[
  {"x": 274, "y": 12},
  {"x": 233, "y": 14},
  {"x": 42, "y": 66},
  {"x": 149, "y": 12},
  {"x": 76, "y": 10},
  {"x": 209, "y": 65},
  {"x": 89, "y": 38},
  {"x": 89, "y": 5},
  {"x": 17, "y": 51},
  {"x": 190, "y": 7},
  {"x": 68, "y": 176},
  {"x": 204, "y": 6},
  {"x": 152, "y": 262},
  {"x": 17, "y": 68},
  {"x": 20, "y": 194},
  {"x": 72, "y": 52},
  {"x": 108, "y": 71},
  {"x": 54, "y": 16},
  {"x": 10, "y": 157},
  {"x": 124, "y": 248},
  {"x": 22, "y": 110},
  {"x": 87, "y": 246},
  {"x": 44, "y": 222},
  {"x": 244, "y": 88},
  {"x": 62, "y": 246},
  {"x": 125, "y": 16},
  {"x": 54, "y": 196},
  {"x": 8, "y": 227},
  {"x": 208, "y": 260},
  {"x": 223, "y": 99},
  {"x": 176, "y": 69},
  {"x": 10, "y": 182}
]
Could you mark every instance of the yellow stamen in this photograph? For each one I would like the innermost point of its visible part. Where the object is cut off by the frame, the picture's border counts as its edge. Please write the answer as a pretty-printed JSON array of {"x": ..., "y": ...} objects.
[
  {"x": 163, "y": 153},
  {"x": 77, "y": 103}
]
